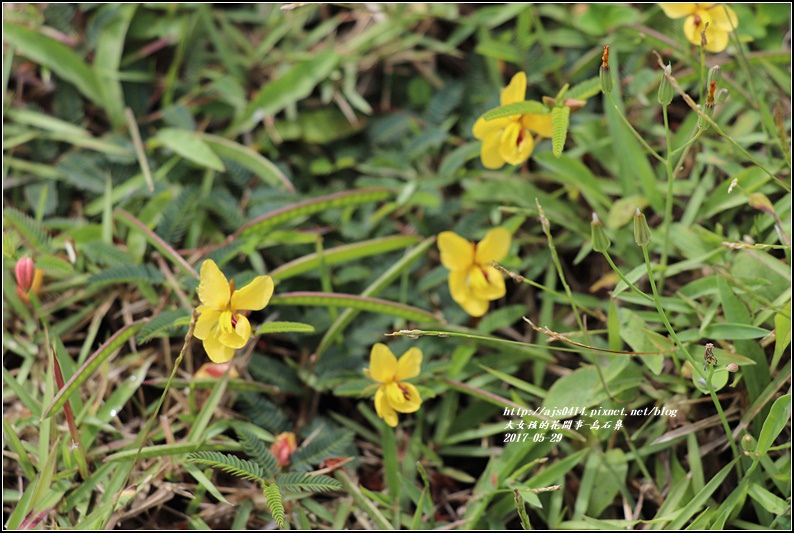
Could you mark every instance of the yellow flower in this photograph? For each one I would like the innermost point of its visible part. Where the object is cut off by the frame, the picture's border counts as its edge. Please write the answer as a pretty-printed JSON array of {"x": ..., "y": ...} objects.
[
  {"x": 473, "y": 280},
  {"x": 509, "y": 139},
  {"x": 393, "y": 395},
  {"x": 721, "y": 19},
  {"x": 220, "y": 326}
]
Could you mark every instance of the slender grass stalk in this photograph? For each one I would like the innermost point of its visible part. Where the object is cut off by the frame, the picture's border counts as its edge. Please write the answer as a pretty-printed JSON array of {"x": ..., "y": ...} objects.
[
  {"x": 148, "y": 427},
  {"x": 668, "y": 206}
]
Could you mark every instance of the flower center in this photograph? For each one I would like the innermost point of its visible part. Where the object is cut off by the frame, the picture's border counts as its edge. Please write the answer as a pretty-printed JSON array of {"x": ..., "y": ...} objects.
[
  {"x": 698, "y": 21},
  {"x": 405, "y": 391},
  {"x": 520, "y": 137}
]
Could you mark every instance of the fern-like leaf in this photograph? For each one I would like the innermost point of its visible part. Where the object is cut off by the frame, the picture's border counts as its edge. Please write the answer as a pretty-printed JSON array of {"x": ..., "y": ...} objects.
[
  {"x": 307, "y": 482},
  {"x": 255, "y": 448},
  {"x": 33, "y": 232},
  {"x": 127, "y": 274},
  {"x": 274, "y": 501},
  {"x": 178, "y": 215},
  {"x": 164, "y": 321},
  {"x": 325, "y": 445},
  {"x": 231, "y": 464},
  {"x": 102, "y": 253},
  {"x": 586, "y": 89},
  {"x": 559, "y": 128},
  {"x": 264, "y": 413}
]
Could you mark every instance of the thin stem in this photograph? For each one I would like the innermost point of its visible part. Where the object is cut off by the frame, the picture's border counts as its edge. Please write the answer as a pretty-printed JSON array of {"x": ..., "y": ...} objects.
[
  {"x": 631, "y": 128},
  {"x": 624, "y": 279},
  {"x": 143, "y": 435},
  {"x": 724, "y": 420},
  {"x": 668, "y": 206}
]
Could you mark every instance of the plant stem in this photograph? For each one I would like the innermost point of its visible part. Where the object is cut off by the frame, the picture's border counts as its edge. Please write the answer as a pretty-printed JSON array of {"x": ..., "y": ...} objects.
[
  {"x": 631, "y": 128},
  {"x": 724, "y": 420},
  {"x": 624, "y": 279},
  {"x": 668, "y": 206}
]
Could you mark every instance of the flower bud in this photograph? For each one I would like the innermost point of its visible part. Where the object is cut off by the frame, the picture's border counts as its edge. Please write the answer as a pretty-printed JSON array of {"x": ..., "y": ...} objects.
[
  {"x": 715, "y": 74},
  {"x": 642, "y": 233},
  {"x": 732, "y": 367},
  {"x": 722, "y": 95},
  {"x": 665, "y": 87},
  {"x": 604, "y": 74},
  {"x": 25, "y": 272},
  {"x": 601, "y": 242},
  {"x": 748, "y": 442},
  {"x": 283, "y": 447}
]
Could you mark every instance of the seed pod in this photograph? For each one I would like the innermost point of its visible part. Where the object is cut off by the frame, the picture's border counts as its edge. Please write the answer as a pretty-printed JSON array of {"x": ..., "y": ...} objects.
[
  {"x": 665, "y": 88},
  {"x": 604, "y": 74},
  {"x": 642, "y": 233}
]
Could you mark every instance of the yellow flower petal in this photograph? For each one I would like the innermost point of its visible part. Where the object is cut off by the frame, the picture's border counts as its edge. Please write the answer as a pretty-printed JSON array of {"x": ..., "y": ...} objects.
[
  {"x": 489, "y": 153},
  {"x": 475, "y": 306},
  {"x": 516, "y": 90},
  {"x": 487, "y": 283},
  {"x": 216, "y": 350},
  {"x": 383, "y": 408},
  {"x": 243, "y": 327},
  {"x": 213, "y": 289},
  {"x": 409, "y": 364},
  {"x": 206, "y": 322},
  {"x": 675, "y": 10},
  {"x": 382, "y": 364},
  {"x": 237, "y": 337},
  {"x": 515, "y": 144},
  {"x": 493, "y": 247},
  {"x": 539, "y": 123},
  {"x": 456, "y": 252},
  {"x": 459, "y": 285},
  {"x": 403, "y": 397},
  {"x": 485, "y": 128},
  {"x": 717, "y": 40},
  {"x": 695, "y": 24},
  {"x": 253, "y": 296},
  {"x": 723, "y": 17}
]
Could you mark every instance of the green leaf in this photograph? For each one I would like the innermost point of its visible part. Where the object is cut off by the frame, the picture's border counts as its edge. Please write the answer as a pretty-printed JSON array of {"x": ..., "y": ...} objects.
[
  {"x": 775, "y": 421},
  {"x": 343, "y": 254},
  {"x": 128, "y": 274},
  {"x": 528, "y": 107},
  {"x": 250, "y": 159},
  {"x": 307, "y": 482},
  {"x": 559, "y": 128},
  {"x": 770, "y": 502},
  {"x": 229, "y": 463},
  {"x": 255, "y": 448},
  {"x": 30, "y": 230},
  {"x": 701, "y": 498},
  {"x": 273, "y": 498},
  {"x": 56, "y": 56},
  {"x": 190, "y": 146},
  {"x": 262, "y": 225},
  {"x": 111, "y": 35},
  {"x": 164, "y": 321},
  {"x": 291, "y": 87},
  {"x": 373, "y": 305},
  {"x": 326, "y": 444},
  {"x": 782, "y": 333},
  {"x": 584, "y": 90},
  {"x": 284, "y": 327},
  {"x": 728, "y": 330},
  {"x": 92, "y": 363}
]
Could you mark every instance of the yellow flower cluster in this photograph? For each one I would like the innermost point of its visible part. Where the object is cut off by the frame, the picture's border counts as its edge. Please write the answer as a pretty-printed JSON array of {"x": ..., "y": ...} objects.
[{"x": 394, "y": 395}]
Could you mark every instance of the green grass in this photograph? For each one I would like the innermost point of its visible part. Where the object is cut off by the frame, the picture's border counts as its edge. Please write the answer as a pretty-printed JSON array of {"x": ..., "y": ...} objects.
[{"x": 328, "y": 146}]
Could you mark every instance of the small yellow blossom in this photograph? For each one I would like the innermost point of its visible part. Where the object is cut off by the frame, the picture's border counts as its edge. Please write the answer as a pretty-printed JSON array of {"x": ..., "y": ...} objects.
[
  {"x": 473, "y": 280},
  {"x": 509, "y": 139},
  {"x": 720, "y": 18},
  {"x": 393, "y": 394},
  {"x": 220, "y": 326}
]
